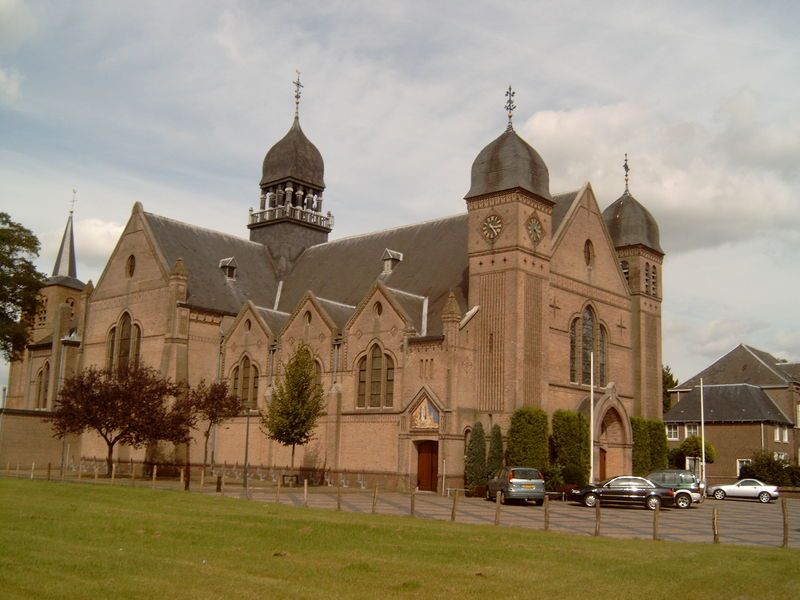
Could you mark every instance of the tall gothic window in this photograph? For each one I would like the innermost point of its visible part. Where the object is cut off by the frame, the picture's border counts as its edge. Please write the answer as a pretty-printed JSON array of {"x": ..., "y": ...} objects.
[
  {"x": 586, "y": 335},
  {"x": 244, "y": 382},
  {"x": 123, "y": 345},
  {"x": 42, "y": 383},
  {"x": 375, "y": 380},
  {"x": 41, "y": 312}
]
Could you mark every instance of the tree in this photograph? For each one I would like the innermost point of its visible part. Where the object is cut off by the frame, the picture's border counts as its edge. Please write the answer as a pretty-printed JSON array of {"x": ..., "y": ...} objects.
[
  {"x": 475, "y": 461},
  {"x": 296, "y": 404},
  {"x": 765, "y": 467},
  {"x": 134, "y": 407},
  {"x": 658, "y": 445},
  {"x": 527, "y": 438},
  {"x": 213, "y": 404},
  {"x": 570, "y": 446},
  {"x": 668, "y": 382},
  {"x": 20, "y": 283},
  {"x": 494, "y": 462},
  {"x": 692, "y": 448},
  {"x": 641, "y": 446}
]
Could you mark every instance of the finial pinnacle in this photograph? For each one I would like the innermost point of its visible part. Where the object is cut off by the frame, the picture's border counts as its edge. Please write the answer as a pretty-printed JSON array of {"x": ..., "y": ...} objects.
[
  {"x": 297, "y": 92},
  {"x": 510, "y": 106},
  {"x": 626, "y": 168},
  {"x": 72, "y": 205}
]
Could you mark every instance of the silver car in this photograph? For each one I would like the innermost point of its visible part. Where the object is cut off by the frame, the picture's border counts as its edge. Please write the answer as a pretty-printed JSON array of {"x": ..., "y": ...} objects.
[
  {"x": 516, "y": 483},
  {"x": 746, "y": 488}
]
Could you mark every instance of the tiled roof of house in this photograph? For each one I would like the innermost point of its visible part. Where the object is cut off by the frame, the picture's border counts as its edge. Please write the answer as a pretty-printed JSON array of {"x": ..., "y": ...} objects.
[
  {"x": 744, "y": 364},
  {"x": 732, "y": 403}
]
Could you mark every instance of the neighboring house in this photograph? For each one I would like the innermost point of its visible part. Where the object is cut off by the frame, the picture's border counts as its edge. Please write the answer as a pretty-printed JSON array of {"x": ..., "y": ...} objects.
[
  {"x": 418, "y": 332},
  {"x": 751, "y": 403}
]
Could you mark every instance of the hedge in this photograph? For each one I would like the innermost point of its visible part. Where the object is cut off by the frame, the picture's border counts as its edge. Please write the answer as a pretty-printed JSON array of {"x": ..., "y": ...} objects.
[
  {"x": 570, "y": 446},
  {"x": 475, "y": 461},
  {"x": 494, "y": 462},
  {"x": 527, "y": 438}
]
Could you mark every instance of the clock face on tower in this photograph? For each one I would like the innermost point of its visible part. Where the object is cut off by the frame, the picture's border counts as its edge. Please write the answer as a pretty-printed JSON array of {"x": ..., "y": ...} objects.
[
  {"x": 535, "y": 229},
  {"x": 492, "y": 226}
]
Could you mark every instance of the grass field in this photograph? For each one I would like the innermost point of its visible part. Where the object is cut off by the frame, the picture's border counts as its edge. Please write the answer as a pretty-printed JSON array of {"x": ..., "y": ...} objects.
[{"x": 82, "y": 541}]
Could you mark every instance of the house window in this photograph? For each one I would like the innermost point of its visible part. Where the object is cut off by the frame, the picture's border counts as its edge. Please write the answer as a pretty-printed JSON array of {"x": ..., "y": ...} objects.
[
  {"x": 244, "y": 382},
  {"x": 672, "y": 431},
  {"x": 375, "y": 380},
  {"x": 692, "y": 429},
  {"x": 741, "y": 463},
  {"x": 586, "y": 335},
  {"x": 123, "y": 345},
  {"x": 781, "y": 456}
]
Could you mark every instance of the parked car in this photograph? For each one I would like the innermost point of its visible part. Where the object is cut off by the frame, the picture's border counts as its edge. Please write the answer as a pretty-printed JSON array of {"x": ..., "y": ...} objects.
[
  {"x": 688, "y": 487},
  {"x": 625, "y": 490},
  {"x": 516, "y": 483},
  {"x": 746, "y": 488}
]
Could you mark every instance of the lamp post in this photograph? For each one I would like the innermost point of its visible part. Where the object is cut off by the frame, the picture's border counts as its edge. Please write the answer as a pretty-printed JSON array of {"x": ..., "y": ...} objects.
[
  {"x": 246, "y": 448},
  {"x": 591, "y": 417}
]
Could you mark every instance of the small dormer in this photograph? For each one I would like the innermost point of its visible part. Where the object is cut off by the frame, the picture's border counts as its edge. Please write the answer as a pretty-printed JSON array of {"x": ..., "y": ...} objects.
[
  {"x": 228, "y": 266},
  {"x": 390, "y": 260}
]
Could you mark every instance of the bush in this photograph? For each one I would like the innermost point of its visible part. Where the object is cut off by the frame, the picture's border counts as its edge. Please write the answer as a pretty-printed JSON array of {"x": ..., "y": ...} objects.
[
  {"x": 553, "y": 478},
  {"x": 494, "y": 462},
  {"x": 765, "y": 467},
  {"x": 475, "y": 462},
  {"x": 658, "y": 445},
  {"x": 691, "y": 447},
  {"x": 640, "y": 431},
  {"x": 527, "y": 438},
  {"x": 570, "y": 446}
]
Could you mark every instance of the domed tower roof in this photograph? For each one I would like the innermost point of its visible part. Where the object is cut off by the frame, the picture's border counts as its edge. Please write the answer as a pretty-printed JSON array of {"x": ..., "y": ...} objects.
[
  {"x": 631, "y": 224},
  {"x": 509, "y": 162},
  {"x": 294, "y": 158}
]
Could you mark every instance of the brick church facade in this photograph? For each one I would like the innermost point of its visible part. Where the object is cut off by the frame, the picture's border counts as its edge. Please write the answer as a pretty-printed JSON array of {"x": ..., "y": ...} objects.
[{"x": 417, "y": 332}]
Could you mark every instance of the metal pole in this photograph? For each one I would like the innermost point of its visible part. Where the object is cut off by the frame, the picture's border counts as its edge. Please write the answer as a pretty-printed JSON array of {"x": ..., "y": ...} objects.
[
  {"x": 702, "y": 435},
  {"x": 591, "y": 417}
]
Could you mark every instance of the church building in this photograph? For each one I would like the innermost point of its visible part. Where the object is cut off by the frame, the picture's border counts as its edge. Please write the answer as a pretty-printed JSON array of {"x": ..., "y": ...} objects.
[{"x": 418, "y": 332}]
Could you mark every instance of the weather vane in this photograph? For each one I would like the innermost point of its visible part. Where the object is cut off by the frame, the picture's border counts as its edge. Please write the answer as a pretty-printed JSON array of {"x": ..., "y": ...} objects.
[
  {"x": 627, "y": 168},
  {"x": 510, "y": 106},
  {"x": 297, "y": 86},
  {"x": 72, "y": 207}
]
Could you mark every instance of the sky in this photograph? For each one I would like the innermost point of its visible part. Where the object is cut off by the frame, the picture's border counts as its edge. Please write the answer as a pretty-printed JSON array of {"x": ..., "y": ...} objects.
[{"x": 174, "y": 104}]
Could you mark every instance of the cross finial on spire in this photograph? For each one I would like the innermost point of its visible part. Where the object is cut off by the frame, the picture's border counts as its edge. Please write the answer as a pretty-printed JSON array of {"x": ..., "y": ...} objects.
[
  {"x": 627, "y": 168},
  {"x": 510, "y": 106},
  {"x": 72, "y": 205},
  {"x": 297, "y": 92}
]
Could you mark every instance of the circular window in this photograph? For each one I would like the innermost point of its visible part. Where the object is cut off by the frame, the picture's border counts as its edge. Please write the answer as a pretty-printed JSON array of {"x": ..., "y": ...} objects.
[
  {"x": 588, "y": 253},
  {"x": 377, "y": 309},
  {"x": 130, "y": 266}
]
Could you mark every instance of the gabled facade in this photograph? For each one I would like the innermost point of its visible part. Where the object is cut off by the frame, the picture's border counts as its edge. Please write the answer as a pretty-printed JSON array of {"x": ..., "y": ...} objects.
[
  {"x": 751, "y": 403},
  {"x": 417, "y": 332}
]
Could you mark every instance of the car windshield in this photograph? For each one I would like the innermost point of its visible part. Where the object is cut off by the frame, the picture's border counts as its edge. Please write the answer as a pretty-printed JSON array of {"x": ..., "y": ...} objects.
[{"x": 526, "y": 474}]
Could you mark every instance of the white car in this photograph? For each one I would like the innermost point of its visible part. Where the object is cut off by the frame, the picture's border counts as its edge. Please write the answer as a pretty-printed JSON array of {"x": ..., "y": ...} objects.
[{"x": 746, "y": 488}]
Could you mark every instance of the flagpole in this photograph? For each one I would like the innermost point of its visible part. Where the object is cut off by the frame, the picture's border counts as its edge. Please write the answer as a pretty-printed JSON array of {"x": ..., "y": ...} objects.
[
  {"x": 702, "y": 435},
  {"x": 591, "y": 417}
]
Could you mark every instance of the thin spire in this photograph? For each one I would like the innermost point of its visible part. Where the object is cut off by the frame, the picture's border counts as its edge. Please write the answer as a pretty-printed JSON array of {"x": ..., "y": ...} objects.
[
  {"x": 627, "y": 168},
  {"x": 510, "y": 106},
  {"x": 65, "y": 261},
  {"x": 297, "y": 92}
]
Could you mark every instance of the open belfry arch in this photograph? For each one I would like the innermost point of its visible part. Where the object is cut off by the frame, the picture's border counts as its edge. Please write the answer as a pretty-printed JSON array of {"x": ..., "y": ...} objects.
[{"x": 417, "y": 331}]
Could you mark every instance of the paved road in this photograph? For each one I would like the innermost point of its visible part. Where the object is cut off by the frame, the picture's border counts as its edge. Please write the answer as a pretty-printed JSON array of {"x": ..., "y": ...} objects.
[{"x": 740, "y": 521}]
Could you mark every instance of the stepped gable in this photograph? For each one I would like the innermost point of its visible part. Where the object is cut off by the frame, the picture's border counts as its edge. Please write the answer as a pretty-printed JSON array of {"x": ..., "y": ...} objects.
[
  {"x": 202, "y": 250},
  {"x": 735, "y": 403},
  {"x": 434, "y": 262}
]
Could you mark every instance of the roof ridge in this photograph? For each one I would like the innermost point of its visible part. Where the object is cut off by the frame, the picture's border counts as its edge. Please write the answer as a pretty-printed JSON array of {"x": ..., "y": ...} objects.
[
  {"x": 398, "y": 228},
  {"x": 399, "y": 291},
  {"x": 329, "y": 301},
  {"x": 272, "y": 310},
  {"x": 207, "y": 229}
]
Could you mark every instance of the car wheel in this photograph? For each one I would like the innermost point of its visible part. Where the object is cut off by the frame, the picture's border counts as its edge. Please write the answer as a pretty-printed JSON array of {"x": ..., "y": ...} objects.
[
  {"x": 764, "y": 497},
  {"x": 683, "y": 501},
  {"x": 590, "y": 500},
  {"x": 719, "y": 494},
  {"x": 653, "y": 502},
  {"x": 503, "y": 498}
]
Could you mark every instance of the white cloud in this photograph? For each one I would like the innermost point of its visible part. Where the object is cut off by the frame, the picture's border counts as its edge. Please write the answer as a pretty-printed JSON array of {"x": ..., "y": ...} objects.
[
  {"x": 9, "y": 87},
  {"x": 17, "y": 24}
]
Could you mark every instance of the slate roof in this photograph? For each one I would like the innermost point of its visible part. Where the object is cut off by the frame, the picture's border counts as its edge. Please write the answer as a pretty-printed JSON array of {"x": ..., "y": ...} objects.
[
  {"x": 562, "y": 204},
  {"x": 745, "y": 364},
  {"x": 509, "y": 162},
  {"x": 274, "y": 319},
  {"x": 631, "y": 224},
  {"x": 735, "y": 403},
  {"x": 339, "y": 313},
  {"x": 294, "y": 157},
  {"x": 434, "y": 263},
  {"x": 202, "y": 250}
]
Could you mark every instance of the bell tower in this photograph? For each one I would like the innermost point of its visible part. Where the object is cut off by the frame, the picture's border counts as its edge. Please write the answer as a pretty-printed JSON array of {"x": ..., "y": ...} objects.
[{"x": 290, "y": 217}]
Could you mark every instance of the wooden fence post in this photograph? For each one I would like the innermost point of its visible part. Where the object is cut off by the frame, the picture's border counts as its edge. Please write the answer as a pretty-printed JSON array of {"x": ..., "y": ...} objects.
[
  {"x": 80, "y": 470},
  {"x": 546, "y": 513},
  {"x": 96, "y": 473},
  {"x": 305, "y": 492},
  {"x": 413, "y": 498},
  {"x": 339, "y": 494},
  {"x": 33, "y": 467},
  {"x": 113, "y": 472},
  {"x": 455, "y": 506},
  {"x": 497, "y": 508},
  {"x": 49, "y": 467},
  {"x": 785, "y": 508},
  {"x": 202, "y": 477},
  {"x": 375, "y": 499},
  {"x": 278, "y": 490},
  {"x": 182, "y": 476},
  {"x": 715, "y": 524},
  {"x": 656, "y": 513},
  {"x": 155, "y": 475},
  {"x": 597, "y": 518}
]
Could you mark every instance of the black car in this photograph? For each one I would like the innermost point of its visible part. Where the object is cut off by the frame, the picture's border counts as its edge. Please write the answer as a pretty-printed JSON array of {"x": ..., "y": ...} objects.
[{"x": 625, "y": 490}]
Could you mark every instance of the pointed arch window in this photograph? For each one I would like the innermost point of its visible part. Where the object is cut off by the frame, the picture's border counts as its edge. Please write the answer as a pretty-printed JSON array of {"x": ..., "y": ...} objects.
[
  {"x": 244, "y": 382},
  {"x": 375, "y": 380},
  {"x": 647, "y": 277},
  {"x": 42, "y": 386},
  {"x": 626, "y": 270},
  {"x": 653, "y": 281},
  {"x": 123, "y": 345},
  {"x": 587, "y": 335}
]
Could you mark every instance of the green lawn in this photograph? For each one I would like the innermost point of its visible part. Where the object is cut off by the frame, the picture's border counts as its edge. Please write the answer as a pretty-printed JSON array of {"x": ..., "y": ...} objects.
[{"x": 83, "y": 541}]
